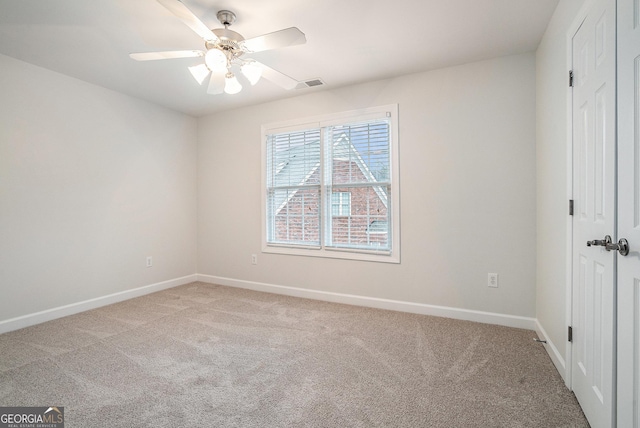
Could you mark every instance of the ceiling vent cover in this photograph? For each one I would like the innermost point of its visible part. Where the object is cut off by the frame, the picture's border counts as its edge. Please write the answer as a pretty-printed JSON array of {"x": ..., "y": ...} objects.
[
  {"x": 310, "y": 83},
  {"x": 314, "y": 82}
]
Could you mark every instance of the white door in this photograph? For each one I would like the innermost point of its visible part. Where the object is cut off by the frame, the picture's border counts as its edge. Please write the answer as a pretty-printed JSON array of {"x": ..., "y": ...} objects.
[
  {"x": 594, "y": 151},
  {"x": 629, "y": 212}
]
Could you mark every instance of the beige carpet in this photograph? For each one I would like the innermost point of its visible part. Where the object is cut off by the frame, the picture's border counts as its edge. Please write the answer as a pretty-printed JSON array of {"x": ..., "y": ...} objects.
[{"x": 202, "y": 355}]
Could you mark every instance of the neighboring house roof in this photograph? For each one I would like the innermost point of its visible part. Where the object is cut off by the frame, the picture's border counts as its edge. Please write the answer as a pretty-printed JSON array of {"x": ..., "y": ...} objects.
[
  {"x": 344, "y": 147},
  {"x": 298, "y": 167}
]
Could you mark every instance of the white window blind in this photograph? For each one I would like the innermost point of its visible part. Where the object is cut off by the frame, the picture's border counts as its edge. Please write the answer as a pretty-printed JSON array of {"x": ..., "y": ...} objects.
[
  {"x": 293, "y": 188},
  {"x": 330, "y": 186},
  {"x": 358, "y": 163}
]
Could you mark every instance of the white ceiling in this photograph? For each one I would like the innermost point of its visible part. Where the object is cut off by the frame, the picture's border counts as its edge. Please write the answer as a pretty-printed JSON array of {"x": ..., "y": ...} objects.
[{"x": 348, "y": 41}]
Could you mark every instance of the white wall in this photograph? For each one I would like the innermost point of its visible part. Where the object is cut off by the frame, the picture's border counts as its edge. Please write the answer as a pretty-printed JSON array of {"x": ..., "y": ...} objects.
[
  {"x": 467, "y": 166},
  {"x": 91, "y": 182},
  {"x": 552, "y": 96}
]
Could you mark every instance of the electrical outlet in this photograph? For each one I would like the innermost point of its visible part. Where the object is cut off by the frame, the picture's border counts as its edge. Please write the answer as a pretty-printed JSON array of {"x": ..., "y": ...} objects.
[
  {"x": 493, "y": 280},
  {"x": 254, "y": 259},
  {"x": 149, "y": 261}
]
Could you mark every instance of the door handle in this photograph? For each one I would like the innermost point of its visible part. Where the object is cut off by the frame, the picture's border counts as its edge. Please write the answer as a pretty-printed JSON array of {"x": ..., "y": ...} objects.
[
  {"x": 600, "y": 242},
  {"x": 622, "y": 246}
]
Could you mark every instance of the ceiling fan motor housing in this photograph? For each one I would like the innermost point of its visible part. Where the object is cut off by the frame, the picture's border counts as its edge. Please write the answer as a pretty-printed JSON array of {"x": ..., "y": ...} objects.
[{"x": 228, "y": 42}]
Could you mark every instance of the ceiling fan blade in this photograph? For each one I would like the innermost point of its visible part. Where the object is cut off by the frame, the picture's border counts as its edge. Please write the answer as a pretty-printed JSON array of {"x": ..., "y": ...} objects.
[
  {"x": 149, "y": 56},
  {"x": 185, "y": 15},
  {"x": 216, "y": 83},
  {"x": 277, "y": 77},
  {"x": 278, "y": 39}
]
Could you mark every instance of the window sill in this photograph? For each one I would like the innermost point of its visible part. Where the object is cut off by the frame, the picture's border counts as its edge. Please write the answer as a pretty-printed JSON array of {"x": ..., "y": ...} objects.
[{"x": 335, "y": 253}]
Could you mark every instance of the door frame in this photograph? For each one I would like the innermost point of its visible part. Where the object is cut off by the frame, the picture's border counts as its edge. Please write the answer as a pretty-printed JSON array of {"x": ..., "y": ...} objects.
[{"x": 571, "y": 32}]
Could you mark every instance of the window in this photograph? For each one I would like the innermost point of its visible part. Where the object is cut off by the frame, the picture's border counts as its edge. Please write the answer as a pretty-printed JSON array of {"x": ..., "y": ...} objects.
[
  {"x": 340, "y": 204},
  {"x": 331, "y": 186}
]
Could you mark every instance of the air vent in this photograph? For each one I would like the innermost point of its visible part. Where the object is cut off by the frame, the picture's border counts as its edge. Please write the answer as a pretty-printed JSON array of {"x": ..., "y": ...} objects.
[
  {"x": 314, "y": 82},
  {"x": 310, "y": 83}
]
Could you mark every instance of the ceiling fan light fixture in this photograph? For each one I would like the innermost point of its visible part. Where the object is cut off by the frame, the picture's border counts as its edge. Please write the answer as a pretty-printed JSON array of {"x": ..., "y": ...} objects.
[
  {"x": 252, "y": 71},
  {"x": 231, "y": 84},
  {"x": 224, "y": 49},
  {"x": 215, "y": 59},
  {"x": 199, "y": 72}
]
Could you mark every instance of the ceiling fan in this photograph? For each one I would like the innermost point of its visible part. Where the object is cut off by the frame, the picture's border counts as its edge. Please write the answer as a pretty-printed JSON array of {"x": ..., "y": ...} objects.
[{"x": 226, "y": 49}]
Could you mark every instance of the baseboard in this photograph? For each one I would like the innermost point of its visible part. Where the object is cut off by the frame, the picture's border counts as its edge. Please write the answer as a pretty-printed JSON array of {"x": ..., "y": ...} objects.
[
  {"x": 74, "y": 308},
  {"x": 552, "y": 350},
  {"x": 349, "y": 299},
  {"x": 373, "y": 302}
]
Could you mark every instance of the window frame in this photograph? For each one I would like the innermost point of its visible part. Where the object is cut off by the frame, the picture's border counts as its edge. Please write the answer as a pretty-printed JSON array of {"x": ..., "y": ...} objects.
[{"x": 389, "y": 111}]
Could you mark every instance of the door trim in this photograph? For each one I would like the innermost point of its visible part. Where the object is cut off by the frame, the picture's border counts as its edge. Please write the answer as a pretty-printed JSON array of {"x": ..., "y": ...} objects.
[{"x": 571, "y": 32}]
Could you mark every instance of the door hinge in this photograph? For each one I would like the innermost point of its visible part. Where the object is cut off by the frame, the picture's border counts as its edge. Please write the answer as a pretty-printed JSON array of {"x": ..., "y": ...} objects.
[
  {"x": 571, "y": 78},
  {"x": 570, "y": 206},
  {"x": 570, "y": 334}
]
